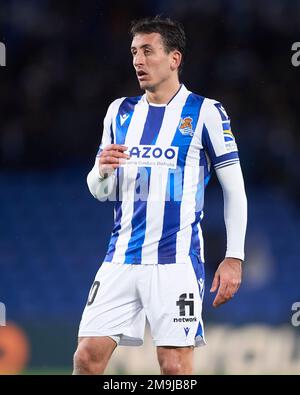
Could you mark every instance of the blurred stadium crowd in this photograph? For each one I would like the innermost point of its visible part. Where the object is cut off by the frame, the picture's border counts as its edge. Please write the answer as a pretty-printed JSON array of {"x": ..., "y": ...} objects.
[{"x": 66, "y": 61}]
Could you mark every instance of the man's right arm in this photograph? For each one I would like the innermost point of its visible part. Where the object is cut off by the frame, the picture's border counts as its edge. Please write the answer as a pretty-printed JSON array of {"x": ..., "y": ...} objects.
[{"x": 101, "y": 179}]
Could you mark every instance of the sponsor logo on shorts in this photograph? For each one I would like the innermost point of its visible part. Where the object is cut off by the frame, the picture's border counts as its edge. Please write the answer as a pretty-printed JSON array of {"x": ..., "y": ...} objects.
[
  {"x": 186, "y": 307},
  {"x": 192, "y": 319},
  {"x": 186, "y": 330},
  {"x": 186, "y": 301}
]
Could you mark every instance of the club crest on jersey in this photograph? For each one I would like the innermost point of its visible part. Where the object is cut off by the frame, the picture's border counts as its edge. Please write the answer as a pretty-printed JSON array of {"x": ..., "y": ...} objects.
[{"x": 185, "y": 126}]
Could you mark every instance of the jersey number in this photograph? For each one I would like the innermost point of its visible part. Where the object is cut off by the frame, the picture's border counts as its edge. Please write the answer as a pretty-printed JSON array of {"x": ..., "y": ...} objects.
[{"x": 93, "y": 292}]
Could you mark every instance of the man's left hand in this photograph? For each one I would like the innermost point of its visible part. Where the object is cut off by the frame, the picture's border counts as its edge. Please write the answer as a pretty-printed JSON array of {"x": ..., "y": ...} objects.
[{"x": 228, "y": 279}]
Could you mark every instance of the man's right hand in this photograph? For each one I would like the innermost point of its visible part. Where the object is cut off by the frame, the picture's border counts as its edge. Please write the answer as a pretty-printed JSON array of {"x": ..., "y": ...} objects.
[{"x": 111, "y": 158}]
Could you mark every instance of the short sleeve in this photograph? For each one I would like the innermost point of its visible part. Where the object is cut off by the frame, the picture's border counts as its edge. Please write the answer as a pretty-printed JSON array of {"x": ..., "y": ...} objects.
[{"x": 217, "y": 137}]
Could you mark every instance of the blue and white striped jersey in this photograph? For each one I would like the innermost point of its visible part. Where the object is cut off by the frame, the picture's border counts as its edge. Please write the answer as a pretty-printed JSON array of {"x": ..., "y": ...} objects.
[{"x": 159, "y": 192}]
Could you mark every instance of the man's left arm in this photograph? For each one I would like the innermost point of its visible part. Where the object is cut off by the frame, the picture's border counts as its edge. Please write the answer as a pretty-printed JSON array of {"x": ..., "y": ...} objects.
[
  {"x": 220, "y": 145},
  {"x": 228, "y": 276}
]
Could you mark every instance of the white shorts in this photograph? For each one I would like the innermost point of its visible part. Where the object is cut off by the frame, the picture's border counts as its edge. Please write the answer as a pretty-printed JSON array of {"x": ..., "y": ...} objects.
[{"x": 169, "y": 296}]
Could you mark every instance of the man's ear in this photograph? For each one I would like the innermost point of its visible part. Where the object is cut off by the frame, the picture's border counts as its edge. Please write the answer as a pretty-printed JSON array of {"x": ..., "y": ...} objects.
[{"x": 176, "y": 58}]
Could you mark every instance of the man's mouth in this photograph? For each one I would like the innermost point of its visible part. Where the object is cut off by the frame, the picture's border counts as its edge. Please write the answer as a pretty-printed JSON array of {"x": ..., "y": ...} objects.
[{"x": 141, "y": 74}]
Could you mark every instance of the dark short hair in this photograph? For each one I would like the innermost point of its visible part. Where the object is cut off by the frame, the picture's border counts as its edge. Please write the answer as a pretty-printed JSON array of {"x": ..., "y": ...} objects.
[{"x": 172, "y": 33}]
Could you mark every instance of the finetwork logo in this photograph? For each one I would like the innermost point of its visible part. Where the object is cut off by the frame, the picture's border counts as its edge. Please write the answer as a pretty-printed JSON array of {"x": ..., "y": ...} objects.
[
  {"x": 186, "y": 305},
  {"x": 2, "y": 314},
  {"x": 2, "y": 55},
  {"x": 296, "y": 56},
  {"x": 184, "y": 302},
  {"x": 296, "y": 316}
]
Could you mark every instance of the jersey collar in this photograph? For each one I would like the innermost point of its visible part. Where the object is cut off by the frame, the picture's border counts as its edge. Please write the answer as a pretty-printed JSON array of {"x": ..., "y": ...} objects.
[{"x": 179, "y": 98}]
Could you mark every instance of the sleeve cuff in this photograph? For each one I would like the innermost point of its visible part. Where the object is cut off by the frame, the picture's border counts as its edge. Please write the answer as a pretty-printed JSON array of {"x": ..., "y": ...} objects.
[{"x": 234, "y": 254}]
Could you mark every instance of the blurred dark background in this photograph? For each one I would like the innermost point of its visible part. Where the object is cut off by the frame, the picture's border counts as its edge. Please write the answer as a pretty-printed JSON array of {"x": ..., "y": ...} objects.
[{"x": 66, "y": 61}]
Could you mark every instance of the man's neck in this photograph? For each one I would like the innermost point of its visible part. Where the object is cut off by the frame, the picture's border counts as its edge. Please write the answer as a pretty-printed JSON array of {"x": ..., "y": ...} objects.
[{"x": 163, "y": 94}]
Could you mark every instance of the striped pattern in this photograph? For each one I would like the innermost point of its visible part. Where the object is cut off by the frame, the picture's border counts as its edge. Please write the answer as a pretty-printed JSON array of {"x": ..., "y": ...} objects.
[{"x": 164, "y": 227}]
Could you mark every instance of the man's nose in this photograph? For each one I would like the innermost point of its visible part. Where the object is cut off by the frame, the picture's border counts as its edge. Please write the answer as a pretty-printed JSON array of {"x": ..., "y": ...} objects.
[{"x": 138, "y": 59}]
